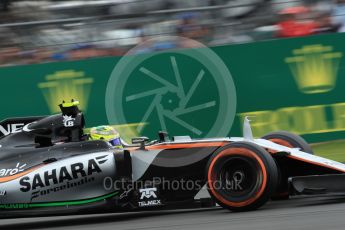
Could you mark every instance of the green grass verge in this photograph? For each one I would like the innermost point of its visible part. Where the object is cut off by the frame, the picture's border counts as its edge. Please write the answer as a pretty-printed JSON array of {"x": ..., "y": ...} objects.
[{"x": 334, "y": 150}]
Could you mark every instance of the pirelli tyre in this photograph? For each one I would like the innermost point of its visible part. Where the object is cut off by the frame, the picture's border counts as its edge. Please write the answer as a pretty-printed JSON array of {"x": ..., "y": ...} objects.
[
  {"x": 289, "y": 140},
  {"x": 241, "y": 176}
]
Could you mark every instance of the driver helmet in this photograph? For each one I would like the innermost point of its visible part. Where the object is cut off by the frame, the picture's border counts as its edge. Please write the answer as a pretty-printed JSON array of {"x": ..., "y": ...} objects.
[{"x": 106, "y": 133}]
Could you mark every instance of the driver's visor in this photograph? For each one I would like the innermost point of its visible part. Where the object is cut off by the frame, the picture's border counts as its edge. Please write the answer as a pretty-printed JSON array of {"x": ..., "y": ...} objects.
[{"x": 115, "y": 142}]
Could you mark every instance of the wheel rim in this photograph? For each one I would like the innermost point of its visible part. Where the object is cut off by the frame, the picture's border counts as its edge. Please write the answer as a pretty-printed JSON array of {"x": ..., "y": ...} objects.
[{"x": 239, "y": 178}]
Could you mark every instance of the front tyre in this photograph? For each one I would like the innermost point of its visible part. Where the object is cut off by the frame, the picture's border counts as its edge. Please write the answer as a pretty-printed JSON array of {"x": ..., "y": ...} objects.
[
  {"x": 289, "y": 140},
  {"x": 241, "y": 176}
]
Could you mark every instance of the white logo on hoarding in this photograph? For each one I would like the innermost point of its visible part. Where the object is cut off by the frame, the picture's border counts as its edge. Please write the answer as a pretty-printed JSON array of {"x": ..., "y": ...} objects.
[{"x": 68, "y": 121}]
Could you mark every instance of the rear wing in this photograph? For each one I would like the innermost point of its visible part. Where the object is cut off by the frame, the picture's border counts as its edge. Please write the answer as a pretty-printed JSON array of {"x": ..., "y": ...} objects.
[{"x": 16, "y": 124}]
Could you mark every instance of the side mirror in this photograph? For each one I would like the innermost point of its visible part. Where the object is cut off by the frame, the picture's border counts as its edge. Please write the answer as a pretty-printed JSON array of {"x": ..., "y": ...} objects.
[
  {"x": 163, "y": 136},
  {"x": 141, "y": 141}
]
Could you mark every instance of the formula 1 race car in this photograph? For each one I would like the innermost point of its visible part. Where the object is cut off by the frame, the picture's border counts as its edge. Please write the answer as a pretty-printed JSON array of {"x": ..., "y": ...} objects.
[{"x": 49, "y": 166}]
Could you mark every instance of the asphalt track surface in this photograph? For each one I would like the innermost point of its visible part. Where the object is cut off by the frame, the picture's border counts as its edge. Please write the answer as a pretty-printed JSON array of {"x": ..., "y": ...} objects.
[{"x": 326, "y": 213}]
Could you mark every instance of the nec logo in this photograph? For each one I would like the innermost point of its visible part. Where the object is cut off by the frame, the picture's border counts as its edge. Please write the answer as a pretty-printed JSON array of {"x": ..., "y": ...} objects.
[
  {"x": 148, "y": 193},
  {"x": 11, "y": 128}
]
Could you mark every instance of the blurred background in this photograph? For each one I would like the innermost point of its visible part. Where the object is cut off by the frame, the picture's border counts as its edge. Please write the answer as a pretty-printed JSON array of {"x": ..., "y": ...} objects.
[
  {"x": 54, "y": 30},
  {"x": 303, "y": 75}
]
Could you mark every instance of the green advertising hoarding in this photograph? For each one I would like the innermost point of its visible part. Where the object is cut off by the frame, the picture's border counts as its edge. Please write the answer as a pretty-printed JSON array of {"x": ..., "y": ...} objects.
[{"x": 289, "y": 84}]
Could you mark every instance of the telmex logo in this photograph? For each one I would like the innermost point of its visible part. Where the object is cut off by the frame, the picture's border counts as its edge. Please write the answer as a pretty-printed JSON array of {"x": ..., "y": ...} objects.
[
  {"x": 61, "y": 175},
  {"x": 148, "y": 193}
]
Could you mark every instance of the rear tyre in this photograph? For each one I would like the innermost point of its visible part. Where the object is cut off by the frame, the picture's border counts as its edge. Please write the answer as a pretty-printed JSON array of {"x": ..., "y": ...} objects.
[
  {"x": 289, "y": 140},
  {"x": 241, "y": 176}
]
